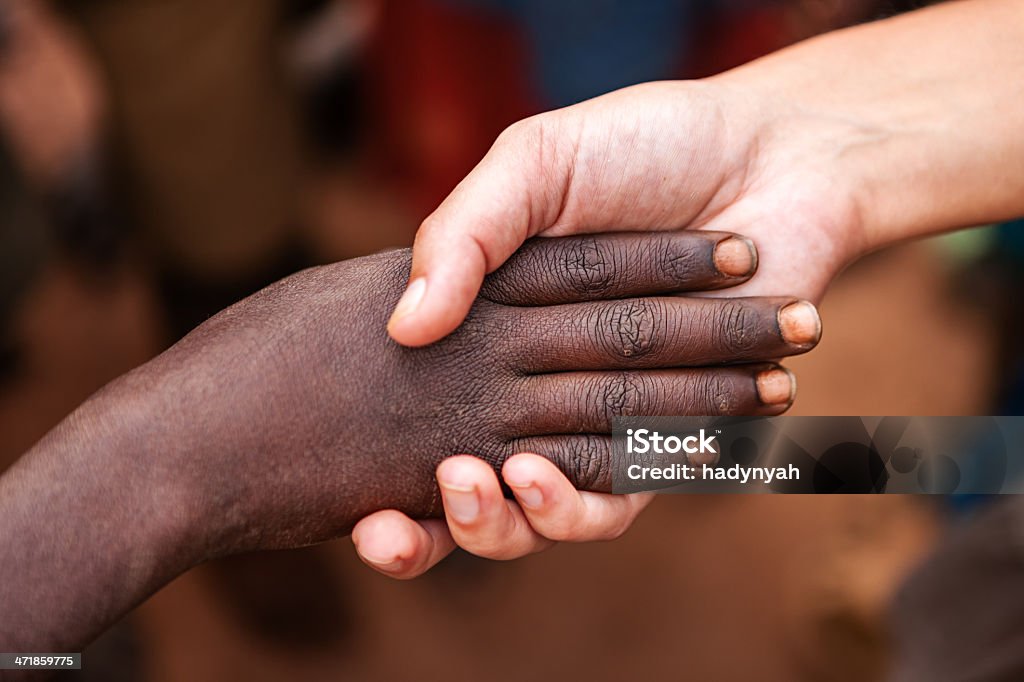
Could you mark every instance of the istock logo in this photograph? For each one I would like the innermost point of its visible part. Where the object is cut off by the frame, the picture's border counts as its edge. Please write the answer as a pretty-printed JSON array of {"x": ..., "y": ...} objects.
[{"x": 643, "y": 441}]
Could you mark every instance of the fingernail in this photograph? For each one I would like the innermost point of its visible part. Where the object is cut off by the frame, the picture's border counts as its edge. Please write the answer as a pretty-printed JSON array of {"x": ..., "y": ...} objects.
[
  {"x": 410, "y": 299},
  {"x": 530, "y": 496},
  {"x": 462, "y": 502},
  {"x": 736, "y": 257},
  {"x": 389, "y": 563},
  {"x": 776, "y": 386},
  {"x": 393, "y": 566},
  {"x": 799, "y": 323}
]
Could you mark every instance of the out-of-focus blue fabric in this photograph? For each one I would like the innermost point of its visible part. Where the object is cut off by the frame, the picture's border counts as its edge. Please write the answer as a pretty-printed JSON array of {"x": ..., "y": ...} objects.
[
  {"x": 584, "y": 48},
  {"x": 1009, "y": 247},
  {"x": 1011, "y": 240}
]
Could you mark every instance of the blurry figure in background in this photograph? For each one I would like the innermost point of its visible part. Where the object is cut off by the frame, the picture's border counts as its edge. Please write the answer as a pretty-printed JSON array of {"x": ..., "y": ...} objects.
[
  {"x": 51, "y": 165},
  {"x": 24, "y": 241},
  {"x": 581, "y": 48},
  {"x": 445, "y": 77},
  {"x": 205, "y": 135},
  {"x": 958, "y": 615}
]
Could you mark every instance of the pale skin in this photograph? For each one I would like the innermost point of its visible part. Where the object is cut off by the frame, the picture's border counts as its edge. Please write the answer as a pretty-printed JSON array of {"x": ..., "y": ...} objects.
[{"x": 820, "y": 153}]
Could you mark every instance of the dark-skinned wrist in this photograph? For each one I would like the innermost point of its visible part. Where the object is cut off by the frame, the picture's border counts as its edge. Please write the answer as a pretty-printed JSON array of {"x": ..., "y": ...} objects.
[{"x": 166, "y": 452}]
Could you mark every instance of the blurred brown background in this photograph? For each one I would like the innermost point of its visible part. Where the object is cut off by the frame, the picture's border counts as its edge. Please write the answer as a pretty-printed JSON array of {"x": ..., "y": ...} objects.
[{"x": 162, "y": 158}]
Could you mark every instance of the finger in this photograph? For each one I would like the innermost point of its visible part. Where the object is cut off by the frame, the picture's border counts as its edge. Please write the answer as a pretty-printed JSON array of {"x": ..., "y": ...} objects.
[
  {"x": 466, "y": 237},
  {"x": 662, "y": 332},
  {"x": 395, "y": 545},
  {"x": 480, "y": 519},
  {"x": 574, "y": 269},
  {"x": 557, "y": 511},
  {"x": 585, "y": 459},
  {"x": 587, "y": 402}
]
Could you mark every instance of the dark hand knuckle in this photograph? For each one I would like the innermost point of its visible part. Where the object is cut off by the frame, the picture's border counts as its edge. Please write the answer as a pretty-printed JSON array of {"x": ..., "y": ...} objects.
[
  {"x": 677, "y": 260},
  {"x": 719, "y": 394},
  {"x": 622, "y": 395},
  {"x": 517, "y": 278},
  {"x": 588, "y": 266},
  {"x": 585, "y": 461},
  {"x": 736, "y": 322},
  {"x": 632, "y": 327}
]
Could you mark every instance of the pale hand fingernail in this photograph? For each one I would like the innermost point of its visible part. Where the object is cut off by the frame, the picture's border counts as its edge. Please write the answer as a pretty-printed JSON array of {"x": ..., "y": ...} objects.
[
  {"x": 410, "y": 300},
  {"x": 735, "y": 257},
  {"x": 776, "y": 386},
  {"x": 462, "y": 502},
  {"x": 529, "y": 496},
  {"x": 388, "y": 564},
  {"x": 800, "y": 323}
]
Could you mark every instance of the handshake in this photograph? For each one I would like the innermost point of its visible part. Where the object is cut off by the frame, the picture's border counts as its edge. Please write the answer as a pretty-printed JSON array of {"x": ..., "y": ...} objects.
[
  {"x": 291, "y": 415},
  {"x": 333, "y": 402}
]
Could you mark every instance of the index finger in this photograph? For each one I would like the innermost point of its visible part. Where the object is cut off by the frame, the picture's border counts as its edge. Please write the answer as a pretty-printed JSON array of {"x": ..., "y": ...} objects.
[{"x": 620, "y": 265}]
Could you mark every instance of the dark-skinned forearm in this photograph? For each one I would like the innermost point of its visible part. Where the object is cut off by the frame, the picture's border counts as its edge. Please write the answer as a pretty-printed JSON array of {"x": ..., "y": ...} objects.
[{"x": 89, "y": 527}]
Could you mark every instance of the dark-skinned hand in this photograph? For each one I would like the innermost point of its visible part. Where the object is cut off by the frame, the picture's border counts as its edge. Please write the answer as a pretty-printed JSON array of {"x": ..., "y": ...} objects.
[{"x": 286, "y": 418}]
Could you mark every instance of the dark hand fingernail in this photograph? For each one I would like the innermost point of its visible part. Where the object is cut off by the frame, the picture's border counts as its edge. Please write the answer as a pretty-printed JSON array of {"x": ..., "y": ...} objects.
[
  {"x": 736, "y": 257},
  {"x": 800, "y": 323},
  {"x": 776, "y": 386}
]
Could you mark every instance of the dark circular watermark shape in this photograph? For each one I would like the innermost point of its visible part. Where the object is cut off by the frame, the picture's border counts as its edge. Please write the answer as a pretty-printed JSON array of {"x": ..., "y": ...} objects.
[
  {"x": 744, "y": 451},
  {"x": 850, "y": 468},
  {"x": 905, "y": 459}
]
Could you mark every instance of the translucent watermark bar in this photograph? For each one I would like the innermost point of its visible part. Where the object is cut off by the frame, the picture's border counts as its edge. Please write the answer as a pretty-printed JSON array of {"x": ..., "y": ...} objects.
[{"x": 819, "y": 455}]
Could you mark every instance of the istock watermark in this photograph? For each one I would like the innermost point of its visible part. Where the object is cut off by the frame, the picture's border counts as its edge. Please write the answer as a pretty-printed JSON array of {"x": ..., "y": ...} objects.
[
  {"x": 647, "y": 441},
  {"x": 641, "y": 441},
  {"x": 815, "y": 455}
]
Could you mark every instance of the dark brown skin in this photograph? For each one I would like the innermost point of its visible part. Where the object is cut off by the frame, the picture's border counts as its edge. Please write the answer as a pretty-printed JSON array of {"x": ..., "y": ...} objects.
[{"x": 286, "y": 418}]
